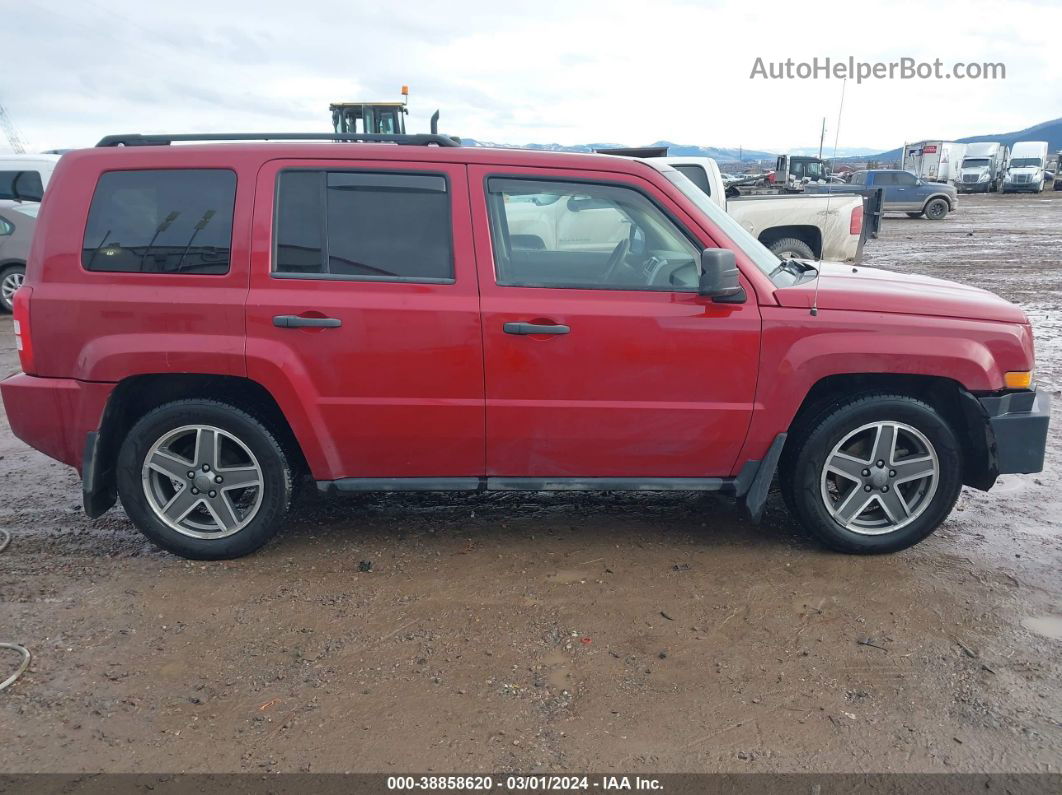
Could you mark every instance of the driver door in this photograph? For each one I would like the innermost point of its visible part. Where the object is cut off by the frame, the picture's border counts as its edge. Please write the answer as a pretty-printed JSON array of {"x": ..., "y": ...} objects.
[{"x": 600, "y": 358}]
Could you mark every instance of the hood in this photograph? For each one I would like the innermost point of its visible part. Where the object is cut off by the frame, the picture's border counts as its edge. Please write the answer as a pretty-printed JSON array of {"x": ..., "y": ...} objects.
[{"x": 856, "y": 288}]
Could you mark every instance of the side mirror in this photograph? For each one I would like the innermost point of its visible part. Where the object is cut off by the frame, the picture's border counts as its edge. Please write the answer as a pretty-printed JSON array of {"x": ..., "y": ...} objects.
[{"x": 719, "y": 277}]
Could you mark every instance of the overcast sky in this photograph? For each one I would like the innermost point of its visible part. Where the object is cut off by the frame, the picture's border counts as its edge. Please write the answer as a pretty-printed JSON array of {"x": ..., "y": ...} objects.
[{"x": 517, "y": 72}]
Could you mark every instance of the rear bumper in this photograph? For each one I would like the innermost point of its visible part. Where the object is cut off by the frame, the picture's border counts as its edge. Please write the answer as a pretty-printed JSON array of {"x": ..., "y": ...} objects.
[
  {"x": 1018, "y": 422},
  {"x": 54, "y": 415}
]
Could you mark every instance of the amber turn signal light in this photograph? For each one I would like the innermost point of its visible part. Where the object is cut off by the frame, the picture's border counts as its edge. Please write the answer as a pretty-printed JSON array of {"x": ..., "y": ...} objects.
[{"x": 1018, "y": 380}]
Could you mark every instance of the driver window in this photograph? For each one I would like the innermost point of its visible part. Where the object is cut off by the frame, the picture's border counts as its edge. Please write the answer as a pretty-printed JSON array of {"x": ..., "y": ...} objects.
[
  {"x": 585, "y": 235},
  {"x": 905, "y": 178}
]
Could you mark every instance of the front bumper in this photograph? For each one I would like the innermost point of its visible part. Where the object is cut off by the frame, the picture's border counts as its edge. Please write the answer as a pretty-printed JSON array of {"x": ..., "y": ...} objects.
[
  {"x": 1021, "y": 187},
  {"x": 974, "y": 187},
  {"x": 1018, "y": 422}
]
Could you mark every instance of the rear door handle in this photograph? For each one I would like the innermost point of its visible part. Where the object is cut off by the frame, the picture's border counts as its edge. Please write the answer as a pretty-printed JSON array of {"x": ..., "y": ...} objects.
[
  {"x": 534, "y": 328},
  {"x": 298, "y": 321}
]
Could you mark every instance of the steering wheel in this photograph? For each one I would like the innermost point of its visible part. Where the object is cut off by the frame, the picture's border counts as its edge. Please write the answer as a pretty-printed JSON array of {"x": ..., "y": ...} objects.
[{"x": 615, "y": 258}]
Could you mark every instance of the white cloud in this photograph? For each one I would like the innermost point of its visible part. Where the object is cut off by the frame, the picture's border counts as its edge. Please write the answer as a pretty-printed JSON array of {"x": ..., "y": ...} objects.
[{"x": 628, "y": 72}]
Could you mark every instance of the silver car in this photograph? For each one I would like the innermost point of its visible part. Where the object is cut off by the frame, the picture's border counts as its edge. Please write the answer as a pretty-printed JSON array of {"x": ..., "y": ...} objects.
[{"x": 17, "y": 220}]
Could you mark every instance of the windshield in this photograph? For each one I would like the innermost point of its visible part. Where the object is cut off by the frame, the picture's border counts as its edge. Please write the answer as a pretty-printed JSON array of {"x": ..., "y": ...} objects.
[
  {"x": 756, "y": 251},
  {"x": 975, "y": 162},
  {"x": 1025, "y": 162}
]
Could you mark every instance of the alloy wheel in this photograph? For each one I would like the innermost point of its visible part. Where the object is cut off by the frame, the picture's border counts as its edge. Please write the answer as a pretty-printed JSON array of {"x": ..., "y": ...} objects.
[
  {"x": 11, "y": 282},
  {"x": 879, "y": 478},
  {"x": 202, "y": 481}
]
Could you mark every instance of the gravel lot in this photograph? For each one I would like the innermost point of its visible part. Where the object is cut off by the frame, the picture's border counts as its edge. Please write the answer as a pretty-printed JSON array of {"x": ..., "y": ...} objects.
[{"x": 604, "y": 632}]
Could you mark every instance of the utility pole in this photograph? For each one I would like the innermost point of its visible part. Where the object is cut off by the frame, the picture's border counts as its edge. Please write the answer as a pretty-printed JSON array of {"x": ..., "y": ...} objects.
[
  {"x": 822, "y": 136},
  {"x": 11, "y": 132}
]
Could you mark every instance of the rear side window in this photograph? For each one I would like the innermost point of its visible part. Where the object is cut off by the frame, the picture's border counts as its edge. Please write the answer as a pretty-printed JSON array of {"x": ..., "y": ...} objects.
[
  {"x": 372, "y": 226},
  {"x": 21, "y": 185},
  {"x": 697, "y": 175},
  {"x": 163, "y": 221}
]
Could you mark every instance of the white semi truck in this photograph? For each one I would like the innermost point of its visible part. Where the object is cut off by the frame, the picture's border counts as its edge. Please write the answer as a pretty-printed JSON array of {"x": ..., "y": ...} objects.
[
  {"x": 934, "y": 161},
  {"x": 983, "y": 167},
  {"x": 1026, "y": 170}
]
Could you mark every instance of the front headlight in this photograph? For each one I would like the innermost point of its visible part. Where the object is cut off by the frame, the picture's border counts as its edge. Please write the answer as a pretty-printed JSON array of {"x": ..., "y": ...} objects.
[{"x": 983, "y": 178}]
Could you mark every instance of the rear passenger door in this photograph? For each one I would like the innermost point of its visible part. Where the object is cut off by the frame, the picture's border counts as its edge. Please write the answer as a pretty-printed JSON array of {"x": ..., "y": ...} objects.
[
  {"x": 363, "y": 316},
  {"x": 892, "y": 194}
]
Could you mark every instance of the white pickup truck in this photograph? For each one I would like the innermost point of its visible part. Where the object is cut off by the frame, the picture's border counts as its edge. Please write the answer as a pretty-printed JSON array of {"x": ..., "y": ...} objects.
[
  {"x": 820, "y": 226},
  {"x": 804, "y": 226}
]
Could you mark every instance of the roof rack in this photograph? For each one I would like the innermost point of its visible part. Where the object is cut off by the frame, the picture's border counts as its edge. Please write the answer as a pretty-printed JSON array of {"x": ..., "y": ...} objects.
[{"x": 137, "y": 139}]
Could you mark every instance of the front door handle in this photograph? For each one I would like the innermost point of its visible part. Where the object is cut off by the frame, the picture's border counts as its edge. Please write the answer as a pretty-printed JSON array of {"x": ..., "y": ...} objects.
[
  {"x": 298, "y": 321},
  {"x": 535, "y": 328}
]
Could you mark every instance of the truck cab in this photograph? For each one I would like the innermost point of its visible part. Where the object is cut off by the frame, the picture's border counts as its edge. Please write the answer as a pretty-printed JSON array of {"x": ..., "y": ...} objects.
[
  {"x": 1027, "y": 168},
  {"x": 983, "y": 167},
  {"x": 794, "y": 171}
]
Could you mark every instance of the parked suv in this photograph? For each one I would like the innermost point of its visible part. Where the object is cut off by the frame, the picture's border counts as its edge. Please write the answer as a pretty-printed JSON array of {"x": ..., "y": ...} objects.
[
  {"x": 202, "y": 327},
  {"x": 904, "y": 192}
]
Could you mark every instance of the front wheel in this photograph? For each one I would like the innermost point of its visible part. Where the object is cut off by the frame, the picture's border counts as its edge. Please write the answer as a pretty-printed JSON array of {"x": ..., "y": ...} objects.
[
  {"x": 936, "y": 210},
  {"x": 204, "y": 479},
  {"x": 877, "y": 474}
]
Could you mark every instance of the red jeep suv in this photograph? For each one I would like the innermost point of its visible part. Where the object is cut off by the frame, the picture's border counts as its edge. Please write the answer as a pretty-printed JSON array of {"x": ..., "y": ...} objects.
[{"x": 203, "y": 326}]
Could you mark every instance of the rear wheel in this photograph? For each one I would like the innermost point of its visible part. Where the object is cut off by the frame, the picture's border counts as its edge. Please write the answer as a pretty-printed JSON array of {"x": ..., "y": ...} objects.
[
  {"x": 936, "y": 209},
  {"x": 791, "y": 248},
  {"x": 876, "y": 474},
  {"x": 204, "y": 480},
  {"x": 11, "y": 279}
]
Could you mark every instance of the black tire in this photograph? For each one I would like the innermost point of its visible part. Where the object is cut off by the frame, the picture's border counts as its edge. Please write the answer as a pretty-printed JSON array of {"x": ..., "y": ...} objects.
[
  {"x": 6, "y": 274},
  {"x": 792, "y": 248},
  {"x": 274, "y": 464},
  {"x": 915, "y": 215},
  {"x": 936, "y": 209},
  {"x": 806, "y": 451}
]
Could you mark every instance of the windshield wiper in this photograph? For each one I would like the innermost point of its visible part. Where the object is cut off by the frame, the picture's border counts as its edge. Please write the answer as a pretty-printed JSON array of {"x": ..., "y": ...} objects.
[{"x": 794, "y": 267}]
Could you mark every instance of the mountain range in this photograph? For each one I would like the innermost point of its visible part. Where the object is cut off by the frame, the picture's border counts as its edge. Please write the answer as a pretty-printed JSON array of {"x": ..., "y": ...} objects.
[{"x": 1050, "y": 131}]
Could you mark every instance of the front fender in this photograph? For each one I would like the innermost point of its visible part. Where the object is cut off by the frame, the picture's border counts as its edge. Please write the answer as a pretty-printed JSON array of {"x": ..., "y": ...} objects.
[{"x": 799, "y": 350}]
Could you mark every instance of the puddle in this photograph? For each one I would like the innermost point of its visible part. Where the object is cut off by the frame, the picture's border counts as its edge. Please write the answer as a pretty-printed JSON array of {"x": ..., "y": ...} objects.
[{"x": 1048, "y": 626}]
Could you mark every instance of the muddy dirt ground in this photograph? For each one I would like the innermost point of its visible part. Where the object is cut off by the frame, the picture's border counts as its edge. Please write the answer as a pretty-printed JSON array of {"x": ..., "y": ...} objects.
[{"x": 609, "y": 632}]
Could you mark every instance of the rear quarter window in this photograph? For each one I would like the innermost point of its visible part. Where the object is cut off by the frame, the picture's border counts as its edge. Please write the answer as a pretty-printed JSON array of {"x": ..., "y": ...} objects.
[
  {"x": 21, "y": 185},
  {"x": 161, "y": 221},
  {"x": 695, "y": 174}
]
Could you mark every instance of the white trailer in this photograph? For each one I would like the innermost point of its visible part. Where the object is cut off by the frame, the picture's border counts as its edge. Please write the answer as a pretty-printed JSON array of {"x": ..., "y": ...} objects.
[
  {"x": 1026, "y": 170},
  {"x": 934, "y": 161}
]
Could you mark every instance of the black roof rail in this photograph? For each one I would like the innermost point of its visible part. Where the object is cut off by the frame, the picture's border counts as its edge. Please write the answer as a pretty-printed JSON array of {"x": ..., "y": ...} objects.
[
  {"x": 138, "y": 139},
  {"x": 634, "y": 151}
]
